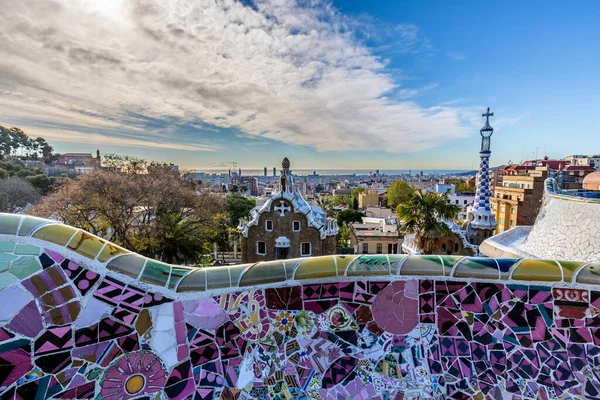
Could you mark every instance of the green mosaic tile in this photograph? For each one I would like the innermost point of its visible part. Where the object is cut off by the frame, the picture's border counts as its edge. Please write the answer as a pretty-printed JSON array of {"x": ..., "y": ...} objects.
[
  {"x": 217, "y": 277},
  {"x": 7, "y": 257},
  {"x": 177, "y": 273},
  {"x": 27, "y": 249},
  {"x": 30, "y": 224},
  {"x": 9, "y": 223},
  {"x": 267, "y": 272},
  {"x": 4, "y": 265},
  {"x": 193, "y": 282},
  {"x": 7, "y": 279},
  {"x": 25, "y": 266},
  {"x": 7, "y": 246},
  {"x": 129, "y": 264},
  {"x": 367, "y": 265},
  {"x": 537, "y": 270},
  {"x": 156, "y": 273}
]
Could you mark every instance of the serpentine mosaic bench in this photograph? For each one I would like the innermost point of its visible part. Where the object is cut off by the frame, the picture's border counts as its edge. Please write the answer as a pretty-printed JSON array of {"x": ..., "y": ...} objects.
[{"x": 83, "y": 318}]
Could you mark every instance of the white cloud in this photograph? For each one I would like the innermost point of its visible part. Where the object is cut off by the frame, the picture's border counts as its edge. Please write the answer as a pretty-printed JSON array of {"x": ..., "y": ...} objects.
[{"x": 279, "y": 70}]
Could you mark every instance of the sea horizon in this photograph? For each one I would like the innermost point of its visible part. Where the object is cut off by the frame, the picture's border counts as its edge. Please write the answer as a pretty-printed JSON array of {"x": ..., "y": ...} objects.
[{"x": 357, "y": 172}]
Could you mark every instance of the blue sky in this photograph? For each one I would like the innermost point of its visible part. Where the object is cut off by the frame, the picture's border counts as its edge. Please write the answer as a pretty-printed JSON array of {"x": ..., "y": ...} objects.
[{"x": 349, "y": 84}]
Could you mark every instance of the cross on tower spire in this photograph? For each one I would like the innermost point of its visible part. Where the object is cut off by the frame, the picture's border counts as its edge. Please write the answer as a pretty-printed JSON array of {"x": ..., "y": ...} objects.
[{"x": 487, "y": 115}]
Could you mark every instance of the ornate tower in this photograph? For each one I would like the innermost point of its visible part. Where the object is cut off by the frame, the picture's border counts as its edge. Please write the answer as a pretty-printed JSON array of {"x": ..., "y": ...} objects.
[
  {"x": 286, "y": 179},
  {"x": 481, "y": 220}
]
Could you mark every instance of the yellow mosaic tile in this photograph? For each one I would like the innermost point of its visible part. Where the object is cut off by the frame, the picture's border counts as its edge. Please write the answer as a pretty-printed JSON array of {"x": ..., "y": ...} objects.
[
  {"x": 424, "y": 265},
  {"x": 111, "y": 250},
  {"x": 343, "y": 261},
  {"x": 316, "y": 267},
  {"x": 263, "y": 272},
  {"x": 537, "y": 270},
  {"x": 569, "y": 269},
  {"x": 128, "y": 264},
  {"x": 471, "y": 267},
  {"x": 86, "y": 244},
  {"x": 58, "y": 234}
]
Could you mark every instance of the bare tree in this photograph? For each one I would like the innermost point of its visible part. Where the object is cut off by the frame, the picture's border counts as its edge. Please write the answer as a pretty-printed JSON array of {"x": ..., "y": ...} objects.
[
  {"x": 16, "y": 193},
  {"x": 146, "y": 207}
]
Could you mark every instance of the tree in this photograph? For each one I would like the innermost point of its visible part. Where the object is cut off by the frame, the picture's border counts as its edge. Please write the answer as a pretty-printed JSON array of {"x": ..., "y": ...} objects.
[
  {"x": 143, "y": 206},
  {"x": 326, "y": 203},
  {"x": 238, "y": 207},
  {"x": 318, "y": 188},
  {"x": 355, "y": 203},
  {"x": 465, "y": 187},
  {"x": 398, "y": 192},
  {"x": 349, "y": 216},
  {"x": 16, "y": 193},
  {"x": 422, "y": 214},
  {"x": 343, "y": 236}
]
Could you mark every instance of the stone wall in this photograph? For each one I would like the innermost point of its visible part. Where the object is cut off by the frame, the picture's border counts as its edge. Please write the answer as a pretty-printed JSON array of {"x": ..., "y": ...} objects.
[
  {"x": 282, "y": 226},
  {"x": 82, "y": 318}
]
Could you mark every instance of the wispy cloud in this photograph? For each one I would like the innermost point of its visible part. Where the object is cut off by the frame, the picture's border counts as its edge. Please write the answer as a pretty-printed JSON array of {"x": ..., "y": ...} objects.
[
  {"x": 455, "y": 55},
  {"x": 292, "y": 71}
]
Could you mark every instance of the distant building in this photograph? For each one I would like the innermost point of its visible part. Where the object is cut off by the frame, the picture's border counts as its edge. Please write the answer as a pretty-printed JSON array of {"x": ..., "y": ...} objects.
[
  {"x": 379, "y": 212},
  {"x": 376, "y": 236},
  {"x": 370, "y": 198},
  {"x": 342, "y": 192},
  {"x": 583, "y": 160},
  {"x": 518, "y": 199},
  {"x": 287, "y": 226},
  {"x": 265, "y": 171},
  {"x": 572, "y": 177},
  {"x": 274, "y": 172},
  {"x": 251, "y": 183},
  {"x": 463, "y": 199},
  {"x": 76, "y": 159}
]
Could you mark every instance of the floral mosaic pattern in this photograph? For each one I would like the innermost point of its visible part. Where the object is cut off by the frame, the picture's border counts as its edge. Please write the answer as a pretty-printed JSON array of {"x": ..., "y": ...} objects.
[{"x": 73, "y": 329}]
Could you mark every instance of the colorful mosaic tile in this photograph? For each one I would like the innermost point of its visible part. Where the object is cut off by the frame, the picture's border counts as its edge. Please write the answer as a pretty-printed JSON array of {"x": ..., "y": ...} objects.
[{"x": 357, "y": 327}]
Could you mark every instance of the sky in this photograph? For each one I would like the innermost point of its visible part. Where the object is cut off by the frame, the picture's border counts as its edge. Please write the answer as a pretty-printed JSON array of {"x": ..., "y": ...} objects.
[{"x": 342, "y": 84}]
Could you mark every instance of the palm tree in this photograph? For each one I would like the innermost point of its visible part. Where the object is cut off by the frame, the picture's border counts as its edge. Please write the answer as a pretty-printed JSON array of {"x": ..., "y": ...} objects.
[
  {"x": 326, "y": 203},
  {"x": 181, "y": 241},
  {"x": 423, "y": 215}
]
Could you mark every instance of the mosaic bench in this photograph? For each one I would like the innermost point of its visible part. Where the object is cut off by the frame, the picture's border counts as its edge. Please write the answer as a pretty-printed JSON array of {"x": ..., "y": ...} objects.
[{"x": 83, "y": 318}]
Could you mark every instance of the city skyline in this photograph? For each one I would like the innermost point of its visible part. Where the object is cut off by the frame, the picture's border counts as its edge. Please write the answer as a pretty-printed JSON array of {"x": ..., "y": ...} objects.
[{"x": 333, "y": 85}]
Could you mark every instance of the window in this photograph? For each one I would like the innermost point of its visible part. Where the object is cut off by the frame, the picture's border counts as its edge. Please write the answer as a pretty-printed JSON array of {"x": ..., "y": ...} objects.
[
  {"x": 296, "y": 226},
  {"x": 456, "y": 247},
  {"x": 502, "y": 209},
  {"x": 512, "y": 210},
  {"x": 465, "y": 202},
  {"x": 269, "y": 225},
  {"x": 365, "y": 249},
  {"x": 305, "y": 249},
  {"x": 379, "y": 248},
  {"x": 456, "y": 201},
  {"x": 261, "y": 248},
  {"x": 502, "y": 221},
  {"x": 512, "y": 222},
  {"x": 390, "y": 248}
]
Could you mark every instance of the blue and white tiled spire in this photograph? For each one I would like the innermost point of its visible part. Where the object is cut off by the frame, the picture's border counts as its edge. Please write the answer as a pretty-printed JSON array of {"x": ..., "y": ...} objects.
[{"x": 481, "y": 216}]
